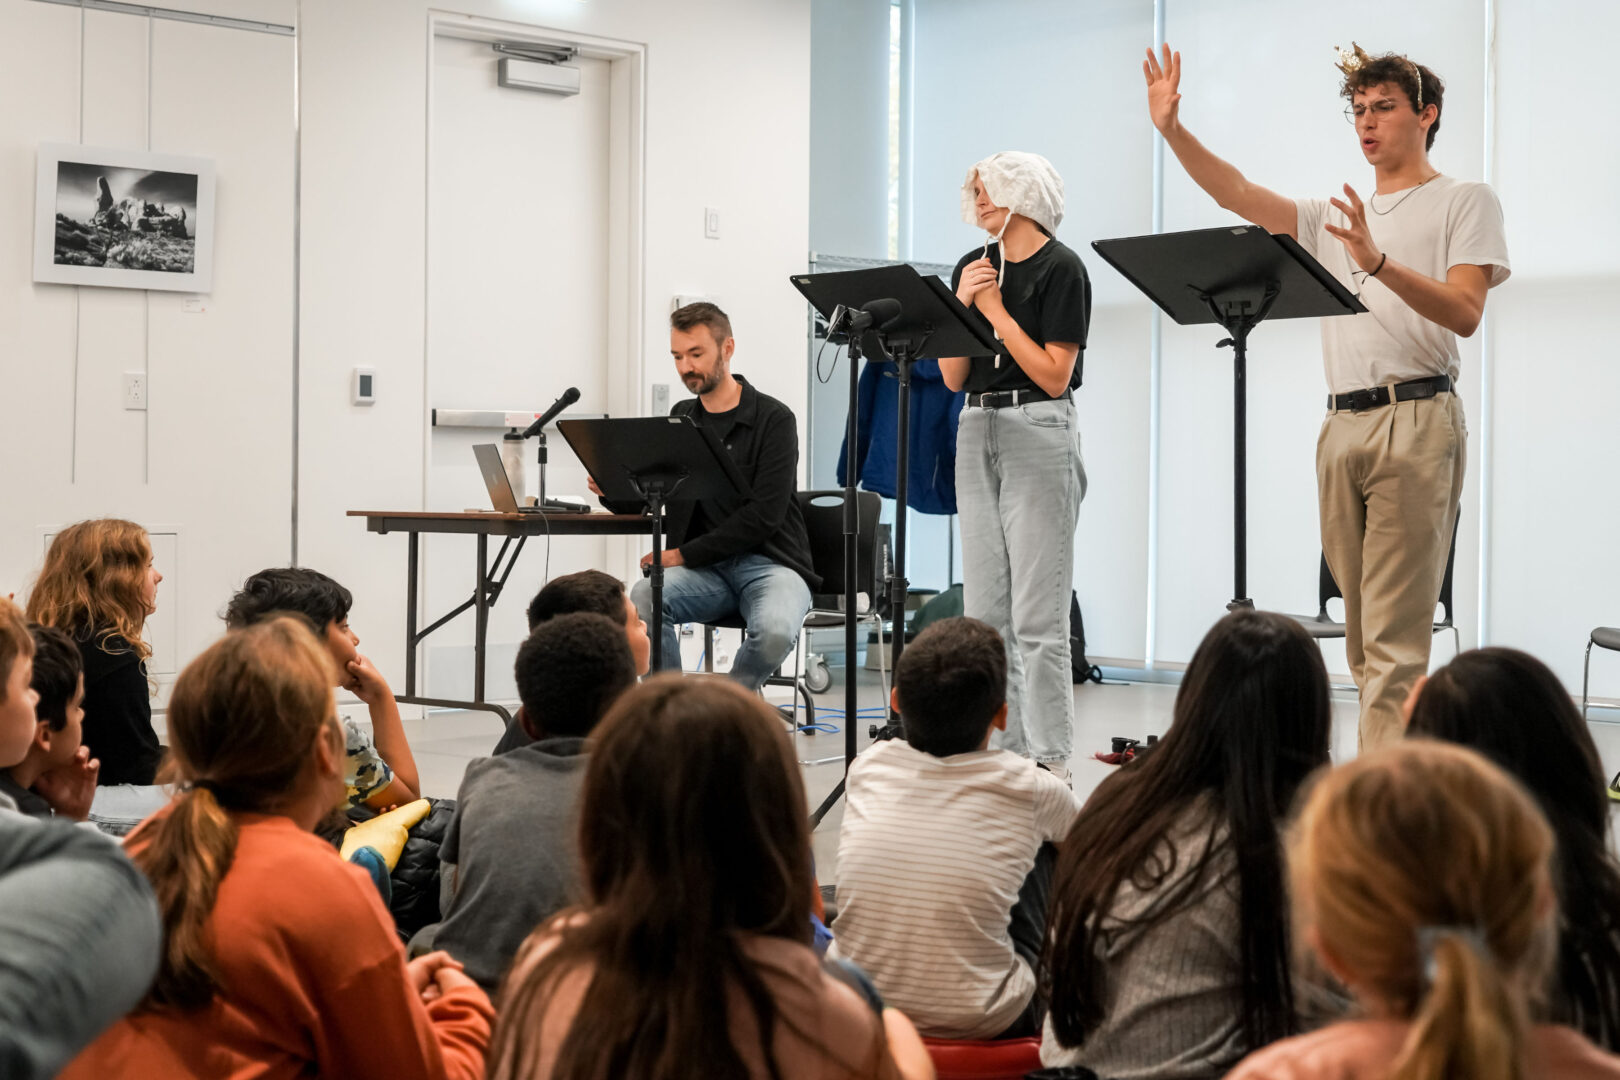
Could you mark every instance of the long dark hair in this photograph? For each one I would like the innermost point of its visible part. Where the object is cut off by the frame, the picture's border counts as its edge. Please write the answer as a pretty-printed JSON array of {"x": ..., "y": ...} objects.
[
  {"x": 1251, "y": 722},
  {"x": 693, "y": 835},
  {"x": 1507, "y": 705}
]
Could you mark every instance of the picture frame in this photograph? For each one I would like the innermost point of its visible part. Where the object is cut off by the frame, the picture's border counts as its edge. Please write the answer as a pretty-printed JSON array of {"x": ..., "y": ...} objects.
[{"x": 120, "y": 218}]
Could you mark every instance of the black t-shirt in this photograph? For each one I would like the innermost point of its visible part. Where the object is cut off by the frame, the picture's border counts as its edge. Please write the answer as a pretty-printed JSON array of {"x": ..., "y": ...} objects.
[
  {"x": 1049, "y": 297},
  {"x": 721, "y": 424}
]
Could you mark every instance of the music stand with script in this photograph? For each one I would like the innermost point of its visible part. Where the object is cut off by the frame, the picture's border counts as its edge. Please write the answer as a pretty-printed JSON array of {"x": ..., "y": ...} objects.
[
  {"x": 898, "y": 314},
  {"x": 654, "y": 460},
  {"x": 1235, "y": 277}
]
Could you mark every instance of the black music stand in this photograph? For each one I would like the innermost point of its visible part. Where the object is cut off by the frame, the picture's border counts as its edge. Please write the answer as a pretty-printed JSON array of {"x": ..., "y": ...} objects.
[
  {"x": 652, "y": 461},
  {"x": 930, "y": 318},
  {"x": 1234, "y": 277}
]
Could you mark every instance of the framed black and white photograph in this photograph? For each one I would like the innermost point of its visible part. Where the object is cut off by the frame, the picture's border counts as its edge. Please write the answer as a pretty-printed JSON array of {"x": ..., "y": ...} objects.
[{"x": 124, "y": 219}]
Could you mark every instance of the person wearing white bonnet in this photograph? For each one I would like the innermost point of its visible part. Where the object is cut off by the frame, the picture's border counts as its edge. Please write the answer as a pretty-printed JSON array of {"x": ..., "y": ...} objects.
[{"x": 1019, "y": 476}]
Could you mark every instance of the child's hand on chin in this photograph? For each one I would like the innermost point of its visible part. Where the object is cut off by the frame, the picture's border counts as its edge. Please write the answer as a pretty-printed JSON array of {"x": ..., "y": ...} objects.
[{"x": 366, "y": 682}]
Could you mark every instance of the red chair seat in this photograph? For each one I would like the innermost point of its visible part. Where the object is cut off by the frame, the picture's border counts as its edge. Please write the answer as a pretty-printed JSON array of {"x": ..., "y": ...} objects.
[{"x": 992, "y": 1059}]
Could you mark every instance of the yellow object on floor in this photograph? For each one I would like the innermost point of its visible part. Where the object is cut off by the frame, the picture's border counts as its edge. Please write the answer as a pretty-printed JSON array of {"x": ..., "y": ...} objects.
[{"x": 386, "y": 832}]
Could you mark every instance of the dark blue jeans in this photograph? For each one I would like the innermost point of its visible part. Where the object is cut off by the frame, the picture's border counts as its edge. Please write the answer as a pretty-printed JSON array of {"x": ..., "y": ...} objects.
[{"x": 771, "y": 599}]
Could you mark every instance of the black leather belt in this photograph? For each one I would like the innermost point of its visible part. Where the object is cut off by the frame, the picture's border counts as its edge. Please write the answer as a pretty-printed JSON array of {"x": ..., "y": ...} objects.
[
  {"x": 1001, "y": 399},
  {"x": 1375, "y": 396}
]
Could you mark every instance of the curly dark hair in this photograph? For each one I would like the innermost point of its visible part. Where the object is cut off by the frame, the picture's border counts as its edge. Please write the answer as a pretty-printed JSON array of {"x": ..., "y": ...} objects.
[
  {"x": 588, "y": 590},
  {"x": 293, "y": 590},
  {"x": 57, "y": 667},
  {"x": 571, "y": 669},
  {"x": 1415, "y": 80}
]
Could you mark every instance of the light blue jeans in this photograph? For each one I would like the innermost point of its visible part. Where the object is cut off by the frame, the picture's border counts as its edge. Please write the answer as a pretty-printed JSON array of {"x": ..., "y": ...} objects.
[
  {"x": 771, "y": 599},
  {"x": 1019, "y": 482}
]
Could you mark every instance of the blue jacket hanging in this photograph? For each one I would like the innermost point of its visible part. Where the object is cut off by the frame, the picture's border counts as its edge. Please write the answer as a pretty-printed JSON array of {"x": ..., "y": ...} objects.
[{"x": 935, "y": 409}]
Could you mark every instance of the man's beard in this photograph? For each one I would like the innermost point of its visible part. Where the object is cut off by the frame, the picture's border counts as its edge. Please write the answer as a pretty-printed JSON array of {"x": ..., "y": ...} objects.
[{"x": 705, "y": 384}]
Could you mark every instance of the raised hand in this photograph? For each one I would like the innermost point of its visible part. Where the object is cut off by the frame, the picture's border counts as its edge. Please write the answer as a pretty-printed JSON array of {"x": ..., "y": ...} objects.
[
  {"x": 1164, "y": 88},
  {"x": 1357, "y": 239}
]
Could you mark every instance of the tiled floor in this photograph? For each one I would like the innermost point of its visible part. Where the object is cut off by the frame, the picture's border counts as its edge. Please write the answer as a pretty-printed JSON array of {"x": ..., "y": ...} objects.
[{"x": 445, "y": 741}]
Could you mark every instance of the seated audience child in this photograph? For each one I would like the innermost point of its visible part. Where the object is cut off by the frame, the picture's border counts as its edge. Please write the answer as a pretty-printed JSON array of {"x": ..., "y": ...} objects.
[
  {"x": 512, "y": 840},
  {"x": 280, "y": 959},
  {"x": 587, "y": 591},
  {"x": 941, "y": 894},
  {"x": 1508, "y": 706},
  {"x": 690, "y": 955},
  {"x": 58, "y": 776},
  {"x": 79, "y": 932},
  {"x": 380, "y": 774},
  {"x": 1422, "y": 878},
  {"x": 99, "y": 585},
  {"x": 1169, "y": 949}
]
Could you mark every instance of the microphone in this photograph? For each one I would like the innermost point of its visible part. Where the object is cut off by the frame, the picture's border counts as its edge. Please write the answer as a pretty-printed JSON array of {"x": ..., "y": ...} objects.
[
  {"x": 879, "y": 313},
  {"x": 569, "y": 396}
]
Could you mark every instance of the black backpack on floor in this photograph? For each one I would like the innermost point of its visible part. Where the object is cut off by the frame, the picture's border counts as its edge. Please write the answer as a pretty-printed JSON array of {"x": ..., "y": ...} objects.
[{"x": 1084, "y": 670}]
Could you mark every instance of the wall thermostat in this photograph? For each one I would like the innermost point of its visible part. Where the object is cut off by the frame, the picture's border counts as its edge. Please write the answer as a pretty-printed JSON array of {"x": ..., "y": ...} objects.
[{"x": 363, "y": 386}]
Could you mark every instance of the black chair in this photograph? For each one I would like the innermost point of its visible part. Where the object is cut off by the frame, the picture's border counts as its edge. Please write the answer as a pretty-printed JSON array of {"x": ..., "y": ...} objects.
[
  {"x": 1604, "y": 637},
  {"x": 824, "y": 522},
  {"x": 1322, "y": 625}
]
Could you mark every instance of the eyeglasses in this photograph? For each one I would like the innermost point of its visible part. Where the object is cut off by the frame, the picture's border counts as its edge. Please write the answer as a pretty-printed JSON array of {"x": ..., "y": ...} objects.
[{"x": 1383, "y": 107}]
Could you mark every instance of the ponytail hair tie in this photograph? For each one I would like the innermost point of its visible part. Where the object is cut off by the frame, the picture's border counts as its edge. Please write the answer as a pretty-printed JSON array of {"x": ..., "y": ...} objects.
[{"x": 1429, "y": 936}]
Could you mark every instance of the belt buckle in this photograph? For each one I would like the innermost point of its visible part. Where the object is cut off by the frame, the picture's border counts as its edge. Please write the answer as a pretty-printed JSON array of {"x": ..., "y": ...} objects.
[{"x": 1362, "y": 399}]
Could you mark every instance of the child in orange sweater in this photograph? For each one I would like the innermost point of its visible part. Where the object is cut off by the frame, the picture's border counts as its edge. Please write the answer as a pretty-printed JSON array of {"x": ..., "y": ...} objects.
[{"x": 280, "y": 961}]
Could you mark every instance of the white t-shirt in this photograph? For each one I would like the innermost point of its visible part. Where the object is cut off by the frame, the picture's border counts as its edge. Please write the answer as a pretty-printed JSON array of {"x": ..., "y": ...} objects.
[
  {"x": 1444, "y": 223},
  {"x": 931, "y": 856}
]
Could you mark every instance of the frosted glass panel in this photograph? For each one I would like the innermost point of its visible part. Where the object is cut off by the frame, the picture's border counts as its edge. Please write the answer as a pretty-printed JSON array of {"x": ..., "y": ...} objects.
[{"x": 1554, "y": 570}]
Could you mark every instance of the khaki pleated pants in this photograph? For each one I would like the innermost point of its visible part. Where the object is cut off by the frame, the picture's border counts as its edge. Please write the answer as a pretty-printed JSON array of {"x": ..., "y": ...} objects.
[{"x": 1389, "y": 481}]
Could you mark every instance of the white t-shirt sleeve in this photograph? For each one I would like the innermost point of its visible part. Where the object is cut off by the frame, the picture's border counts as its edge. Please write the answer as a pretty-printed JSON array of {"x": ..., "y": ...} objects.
[
  {"x": 1477, "y": 236},
  {"x": 1055, "y": 807},
  {"x": 1312, "y": 216}
]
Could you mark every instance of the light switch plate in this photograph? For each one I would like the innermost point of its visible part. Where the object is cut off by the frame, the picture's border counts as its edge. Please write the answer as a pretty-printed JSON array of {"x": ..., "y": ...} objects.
[{"x": 711, "y": 223}]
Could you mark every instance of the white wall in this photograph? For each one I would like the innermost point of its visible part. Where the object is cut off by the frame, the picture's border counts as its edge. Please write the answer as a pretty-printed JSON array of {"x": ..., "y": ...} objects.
[
  {"x": 727, "y": 100},
  {"x": 211, "y": 458},
  {"x": 727, "y": 123}
]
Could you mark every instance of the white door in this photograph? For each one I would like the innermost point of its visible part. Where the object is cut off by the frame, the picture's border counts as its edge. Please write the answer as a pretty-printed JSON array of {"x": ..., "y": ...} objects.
[{"x": 518, "y": 189}]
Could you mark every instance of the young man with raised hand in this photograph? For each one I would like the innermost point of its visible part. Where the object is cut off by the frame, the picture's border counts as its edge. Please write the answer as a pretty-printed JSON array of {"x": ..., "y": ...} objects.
[{"x": 1420, "y": 252}]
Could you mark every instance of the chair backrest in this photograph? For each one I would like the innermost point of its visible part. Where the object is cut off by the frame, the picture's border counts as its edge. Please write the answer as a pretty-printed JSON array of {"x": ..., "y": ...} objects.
[
  {"x": 1328, "y": 589},
  {"x": 824, "y": 521}
]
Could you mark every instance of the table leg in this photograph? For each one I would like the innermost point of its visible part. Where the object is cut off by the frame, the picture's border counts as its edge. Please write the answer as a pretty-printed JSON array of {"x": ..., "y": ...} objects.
[{"x": 411, "y": 543}]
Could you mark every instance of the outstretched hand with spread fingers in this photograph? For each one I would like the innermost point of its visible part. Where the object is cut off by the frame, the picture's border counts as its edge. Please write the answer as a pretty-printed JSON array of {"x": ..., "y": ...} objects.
[
  {"x": 1357, "y": 238},
  {"x": 1164, "y": 88}
]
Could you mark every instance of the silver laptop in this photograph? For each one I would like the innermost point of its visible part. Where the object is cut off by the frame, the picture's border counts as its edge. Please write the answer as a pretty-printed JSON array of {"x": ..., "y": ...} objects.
[{"x": 496, "y": 480}]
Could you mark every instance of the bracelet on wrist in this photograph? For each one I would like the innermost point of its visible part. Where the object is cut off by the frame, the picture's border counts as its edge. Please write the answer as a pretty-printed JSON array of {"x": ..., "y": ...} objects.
[{"x": 1382, "y": 259}]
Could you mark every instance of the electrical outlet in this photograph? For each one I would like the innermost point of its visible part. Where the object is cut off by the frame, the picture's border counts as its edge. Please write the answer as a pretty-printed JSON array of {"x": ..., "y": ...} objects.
[
  {"x": 135, "y": 390},
  {"x": 660, "y": 399},
  {"x": 711, "y": 223}
]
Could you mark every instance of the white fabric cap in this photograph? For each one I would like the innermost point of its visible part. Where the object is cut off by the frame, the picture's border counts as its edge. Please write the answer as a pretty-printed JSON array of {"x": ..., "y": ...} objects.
[{"x": 1022, "y": 182}]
